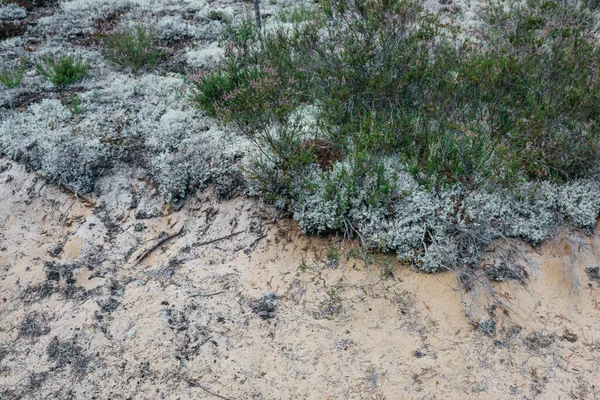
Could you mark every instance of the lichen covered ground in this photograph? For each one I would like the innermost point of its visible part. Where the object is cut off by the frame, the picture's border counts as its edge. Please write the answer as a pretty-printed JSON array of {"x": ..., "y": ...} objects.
[{"x": 145, "y": 289}]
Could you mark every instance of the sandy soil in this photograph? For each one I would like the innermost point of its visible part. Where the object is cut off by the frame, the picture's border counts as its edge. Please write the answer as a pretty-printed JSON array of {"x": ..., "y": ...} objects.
[{"x": 266, "y": 313}]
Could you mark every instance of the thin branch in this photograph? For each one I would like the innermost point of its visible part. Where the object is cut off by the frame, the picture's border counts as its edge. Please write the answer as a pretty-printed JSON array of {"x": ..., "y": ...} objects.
[
  {"x": 218, "y": 239},
  {"x": 159, "y": 242},
  {"x": 254, "y": 242},
  {"x": 206, "y": 295},
  {"x": 195, "y": 384}
]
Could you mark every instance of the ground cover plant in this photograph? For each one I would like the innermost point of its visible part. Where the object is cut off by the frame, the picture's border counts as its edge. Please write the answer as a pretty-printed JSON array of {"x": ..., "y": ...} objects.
[
  {"x": 133, "y": 48},
  {"x": 11, "y": 78},
  {"x": 435, "y": 144},
  {"x": 62, "y": 70}
]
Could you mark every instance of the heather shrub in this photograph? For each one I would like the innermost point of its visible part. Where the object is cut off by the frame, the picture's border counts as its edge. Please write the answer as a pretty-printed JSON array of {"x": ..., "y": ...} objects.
[
  {"x": 442, "y": 144},
  {"x": 133, "y": 47},
  {"x": 388, "y": 79},
  {"x": 62, "y": 70}
]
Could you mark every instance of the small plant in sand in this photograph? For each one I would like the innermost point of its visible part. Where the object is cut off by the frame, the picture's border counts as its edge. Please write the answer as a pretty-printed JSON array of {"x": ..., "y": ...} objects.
[
  {"x": 62, "y": 70},
  {"x": 132, "y": 47}
]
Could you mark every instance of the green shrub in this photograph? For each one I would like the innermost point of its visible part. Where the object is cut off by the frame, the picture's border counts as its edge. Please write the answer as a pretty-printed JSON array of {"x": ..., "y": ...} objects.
[
  {"x": 395, "y": 92},
  {"x": 216, "y": 15},
  {"x": 133, "y": 47},
  {"x": 388, "y": 79},
  {"x": 63, "y": 70},
  {"x": 11, "y": 78}
]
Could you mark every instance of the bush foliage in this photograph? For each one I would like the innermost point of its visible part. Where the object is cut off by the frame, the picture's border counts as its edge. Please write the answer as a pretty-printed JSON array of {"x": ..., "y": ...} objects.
[{"x": 423, "y": 119}]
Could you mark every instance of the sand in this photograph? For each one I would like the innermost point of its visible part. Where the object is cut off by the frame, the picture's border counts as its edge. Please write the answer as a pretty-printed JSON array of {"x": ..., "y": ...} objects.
[{"x": 267, "y": 313}]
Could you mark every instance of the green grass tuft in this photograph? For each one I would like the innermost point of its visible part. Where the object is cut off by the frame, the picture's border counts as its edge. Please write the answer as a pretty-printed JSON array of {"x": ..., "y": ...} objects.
[
  {"x": 63, "y": 70},
  {"x": 134, "y": 48},
  {"x": 11, "y": 78}
]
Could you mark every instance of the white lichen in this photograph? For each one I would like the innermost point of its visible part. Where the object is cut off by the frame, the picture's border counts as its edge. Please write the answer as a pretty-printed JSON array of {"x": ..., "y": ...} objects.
[{"x": 12, "y": 11}]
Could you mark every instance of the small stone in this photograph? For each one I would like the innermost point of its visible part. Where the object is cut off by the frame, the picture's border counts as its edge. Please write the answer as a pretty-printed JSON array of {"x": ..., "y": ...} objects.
[
  {"x": 487, "y": 326},
  {"x": 569, "y": 336},
  {"x": 131, "y": 333}
]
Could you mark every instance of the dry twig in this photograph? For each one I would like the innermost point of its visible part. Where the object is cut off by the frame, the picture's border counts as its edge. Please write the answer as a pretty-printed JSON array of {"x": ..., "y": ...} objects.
[
  {"x": 218, "y": 239},
  {"x": 195, "y": 384},
  {"x": 159, "y": 242}
]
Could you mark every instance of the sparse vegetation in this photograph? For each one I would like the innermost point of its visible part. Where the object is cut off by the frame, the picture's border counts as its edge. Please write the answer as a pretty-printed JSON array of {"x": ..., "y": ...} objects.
[
  {"x": 62, "y": 70},
  {"x": 11, "y": 78},
  {"x": 73, "y": 103},
  {"x": 30, "y": 4},
  {"x": 133, "y": 48}
]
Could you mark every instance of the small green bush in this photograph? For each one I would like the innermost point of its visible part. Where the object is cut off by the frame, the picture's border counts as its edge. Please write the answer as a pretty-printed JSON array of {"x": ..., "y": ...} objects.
[
  {"x": 133, "y": 47},
  {"x": 11, "y": 78},
  {"x": 216, "y": 15},
  {"x": 63, "y": 70}
]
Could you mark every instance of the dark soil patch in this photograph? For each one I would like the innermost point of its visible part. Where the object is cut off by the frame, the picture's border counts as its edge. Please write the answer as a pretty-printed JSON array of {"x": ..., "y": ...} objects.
[
  {"x": 324, "y": 151},
  {"x": 538, "y": 340},
  {"x": 11, "y": 29},
  {"x": 34, "y": 325},
  {"x": 31, "y": 5},
  {"x": 55, "y": 250},
  {"x": 102, "y": 26},
  {"x": 22, "y": 100},
  {"x": 502, "y": 271},
  {"x": 68, "y": 353},
  {"x": 4, "y": 351},
  {"x": 569, "y": 336},
  {"x": 39, "y": 292},
  {"x": 266, "y": 306},
  {"x": 60, "y": 272},
  {"x": 109, "y": 305},
  {"x": 36, "y": 380},
  {"x": 593, "y": 274}
]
